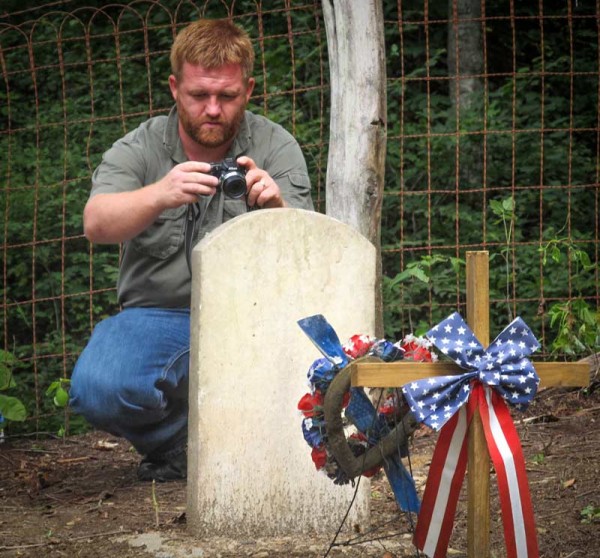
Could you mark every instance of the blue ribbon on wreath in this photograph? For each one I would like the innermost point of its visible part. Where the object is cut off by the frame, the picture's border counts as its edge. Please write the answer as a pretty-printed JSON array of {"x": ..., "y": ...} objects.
[{"x": 360, "y": 411}]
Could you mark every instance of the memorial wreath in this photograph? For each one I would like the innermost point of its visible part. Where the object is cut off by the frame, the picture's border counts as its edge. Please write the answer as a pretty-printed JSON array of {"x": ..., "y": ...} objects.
[{"x": 341, "y": 424}]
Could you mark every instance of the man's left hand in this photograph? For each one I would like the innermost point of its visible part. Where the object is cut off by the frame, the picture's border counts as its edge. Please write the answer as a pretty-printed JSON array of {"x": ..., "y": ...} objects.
[{"x": 262, "y": 189}]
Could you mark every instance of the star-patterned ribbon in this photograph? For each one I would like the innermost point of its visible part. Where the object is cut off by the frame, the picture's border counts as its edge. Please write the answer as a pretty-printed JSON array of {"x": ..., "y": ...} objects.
[
  {"x": 504, "y": 365},
  {"x": 494, "y": 376}
]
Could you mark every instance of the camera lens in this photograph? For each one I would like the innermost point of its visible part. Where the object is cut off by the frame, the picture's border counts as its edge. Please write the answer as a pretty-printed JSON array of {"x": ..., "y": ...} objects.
[{"x": 234, "y": 185}]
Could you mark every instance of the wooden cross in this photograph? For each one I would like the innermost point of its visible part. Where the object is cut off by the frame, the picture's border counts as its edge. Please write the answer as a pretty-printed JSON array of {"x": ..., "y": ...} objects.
[{"x": 397, "y": 374}]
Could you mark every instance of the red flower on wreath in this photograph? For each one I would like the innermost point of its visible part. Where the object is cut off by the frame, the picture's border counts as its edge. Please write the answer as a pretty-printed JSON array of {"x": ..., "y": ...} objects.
[
  {"x": 319, "y": 456},
  {"x": 389, "y": 405},
  {"x": 416, "y": 349},
  {"x": 358, "y": 345},
  {"x": 311, "y": 403}
]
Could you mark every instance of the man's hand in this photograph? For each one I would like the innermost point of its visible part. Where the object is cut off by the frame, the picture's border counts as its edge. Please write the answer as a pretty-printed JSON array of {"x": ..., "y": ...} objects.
[
  {"x": 183, "y": 184},
  {"x": 262, "y": 189}
]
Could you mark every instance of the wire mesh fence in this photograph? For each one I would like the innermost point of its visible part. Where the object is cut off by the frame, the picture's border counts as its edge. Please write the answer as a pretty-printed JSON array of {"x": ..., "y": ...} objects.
[{"x": 493, "y": 143}]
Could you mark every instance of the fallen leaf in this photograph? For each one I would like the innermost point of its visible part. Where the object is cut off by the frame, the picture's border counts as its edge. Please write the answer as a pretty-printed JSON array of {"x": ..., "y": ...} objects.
[
  {"x": 106, "y": 445},
  {"x": 568, "y": 483}
]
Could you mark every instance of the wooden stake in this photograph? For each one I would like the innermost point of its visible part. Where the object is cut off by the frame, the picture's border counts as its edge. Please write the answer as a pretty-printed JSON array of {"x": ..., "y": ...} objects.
[{"x": 478, "y": 479}]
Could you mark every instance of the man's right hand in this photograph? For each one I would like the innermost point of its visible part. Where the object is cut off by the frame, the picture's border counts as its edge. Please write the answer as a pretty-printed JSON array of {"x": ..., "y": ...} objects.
[
  {"x": 117, "y": 217},
  {"x": 184, "y": 183}
]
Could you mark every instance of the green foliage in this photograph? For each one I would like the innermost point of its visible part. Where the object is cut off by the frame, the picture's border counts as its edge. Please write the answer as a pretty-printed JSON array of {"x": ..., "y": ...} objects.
[
  {"x": 59, "y": 392},
  {"x": 577, "y": 327},
  {"x": 590, "y": 514},
  {"x": 575, "y": 322},
  {"x": 504, "y": 210},
  {"x": 11, "y": 408},
  {"x": 429, "y": 276},
  {"x": 539, "y": 458}
]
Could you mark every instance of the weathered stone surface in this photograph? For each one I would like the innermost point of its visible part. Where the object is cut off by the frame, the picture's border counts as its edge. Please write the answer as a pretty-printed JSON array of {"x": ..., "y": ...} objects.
[{"x": 250, "y": 470}]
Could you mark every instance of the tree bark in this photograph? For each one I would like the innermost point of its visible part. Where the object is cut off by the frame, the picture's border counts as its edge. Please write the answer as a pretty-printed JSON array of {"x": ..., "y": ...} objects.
[
  {"x": 465, "y": 66},
  {"x": 465, "y": 52},
  {"x": 357, "y": 144}
]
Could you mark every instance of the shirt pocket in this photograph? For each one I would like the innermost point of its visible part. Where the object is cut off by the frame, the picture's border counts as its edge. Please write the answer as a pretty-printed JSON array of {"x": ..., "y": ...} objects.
[
  {"x": 300, "y": 180},
  {"x": 163, "y": 237}
]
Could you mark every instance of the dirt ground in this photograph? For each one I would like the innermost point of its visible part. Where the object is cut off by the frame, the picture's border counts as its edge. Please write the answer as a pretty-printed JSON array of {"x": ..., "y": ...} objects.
[{"x": 80, "y": 498}]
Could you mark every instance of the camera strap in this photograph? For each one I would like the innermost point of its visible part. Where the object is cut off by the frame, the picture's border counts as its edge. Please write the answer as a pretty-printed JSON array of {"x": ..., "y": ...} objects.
[
  {"x": 194, "y": 218},
  {"x": 191, "y": 220}
]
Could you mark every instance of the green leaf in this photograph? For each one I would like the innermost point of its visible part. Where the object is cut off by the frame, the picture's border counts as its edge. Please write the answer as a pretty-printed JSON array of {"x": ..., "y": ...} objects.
[
  {"x": 400, "y": 277},
  {"x": 456, "y": 264},
  {"x": 12, "y": 409},
  {"x": 496, "y": 207},
  {"x": 6, "y": 379},
  {"x": 508, "y": 205},
  {"x": 7, "y": 358},
  {"x": 61, "y": 399},
  {"x": 412, "y": 271},
  {"x": 52, "y": 388},
  {"x": 419, "y": 274},
  {"x": 7, "y": 363},
  {"x": 590, "y": 514},
  {"x": 583, "y": 258}
]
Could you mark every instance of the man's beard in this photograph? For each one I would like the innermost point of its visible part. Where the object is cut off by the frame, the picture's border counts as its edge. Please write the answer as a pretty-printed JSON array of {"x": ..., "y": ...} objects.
[{"x": 210, "y": 137}]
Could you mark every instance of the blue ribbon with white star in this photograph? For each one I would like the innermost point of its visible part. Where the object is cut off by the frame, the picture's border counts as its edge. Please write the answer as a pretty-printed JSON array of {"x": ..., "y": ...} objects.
[{"x": 504, "y": 366}]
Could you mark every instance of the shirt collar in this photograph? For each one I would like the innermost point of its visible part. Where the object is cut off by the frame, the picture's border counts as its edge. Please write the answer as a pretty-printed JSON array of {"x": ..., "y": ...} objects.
[
  {"x": 241, "y": 143},
  {"x": 171, "y": 139}
]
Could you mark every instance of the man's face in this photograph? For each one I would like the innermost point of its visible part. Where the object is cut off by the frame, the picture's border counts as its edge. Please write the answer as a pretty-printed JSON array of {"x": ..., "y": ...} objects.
[{"x": 211, "y": 102}]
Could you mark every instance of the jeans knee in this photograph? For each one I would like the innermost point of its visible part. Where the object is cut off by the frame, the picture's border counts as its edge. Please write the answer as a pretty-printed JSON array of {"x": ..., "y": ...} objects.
[
  {"x": 91, "y": 399},
  {"x": 130, "y": 376},
  {"x": 117, "y": 405}
]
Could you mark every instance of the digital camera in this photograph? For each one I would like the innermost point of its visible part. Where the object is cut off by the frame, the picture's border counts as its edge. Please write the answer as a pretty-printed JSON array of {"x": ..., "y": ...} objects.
[{"x": 232, "y": 177}]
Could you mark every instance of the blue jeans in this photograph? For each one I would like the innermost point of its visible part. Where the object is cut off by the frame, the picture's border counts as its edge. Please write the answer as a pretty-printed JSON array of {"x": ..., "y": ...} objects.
[{"x": 132, "y": 378}]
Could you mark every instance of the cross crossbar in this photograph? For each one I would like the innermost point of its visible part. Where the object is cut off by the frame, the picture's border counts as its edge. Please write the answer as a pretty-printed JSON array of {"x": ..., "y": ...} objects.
[{"x": 396, "y": 374}]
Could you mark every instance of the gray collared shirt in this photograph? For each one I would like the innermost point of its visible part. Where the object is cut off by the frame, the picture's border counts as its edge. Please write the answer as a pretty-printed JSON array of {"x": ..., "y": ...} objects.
[{"x": 154, "y": 270}]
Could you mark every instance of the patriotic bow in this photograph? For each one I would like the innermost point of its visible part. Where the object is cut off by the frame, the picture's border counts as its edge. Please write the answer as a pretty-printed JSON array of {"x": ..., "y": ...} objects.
[
  {"x": 504, "y": 366},
  {"x": 495, "y": 376}
]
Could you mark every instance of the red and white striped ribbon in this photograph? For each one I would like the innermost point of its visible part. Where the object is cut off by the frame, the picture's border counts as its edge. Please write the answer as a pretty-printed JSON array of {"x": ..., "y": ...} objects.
[{"x": 447, "y": 472}]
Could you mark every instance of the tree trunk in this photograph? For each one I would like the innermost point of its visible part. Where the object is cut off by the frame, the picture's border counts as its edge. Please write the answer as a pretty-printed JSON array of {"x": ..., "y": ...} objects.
[
  {"x": 357, "y": 144},
  {"x": 465, "y": 66}
]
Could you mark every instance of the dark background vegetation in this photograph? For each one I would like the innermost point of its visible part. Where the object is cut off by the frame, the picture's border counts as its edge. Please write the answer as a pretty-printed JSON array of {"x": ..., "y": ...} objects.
[{"x": 515, "y": 174}]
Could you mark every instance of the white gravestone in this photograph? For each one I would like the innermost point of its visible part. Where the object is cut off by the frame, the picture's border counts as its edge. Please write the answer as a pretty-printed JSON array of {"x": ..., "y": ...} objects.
[{"x": 249, "y": 468}]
